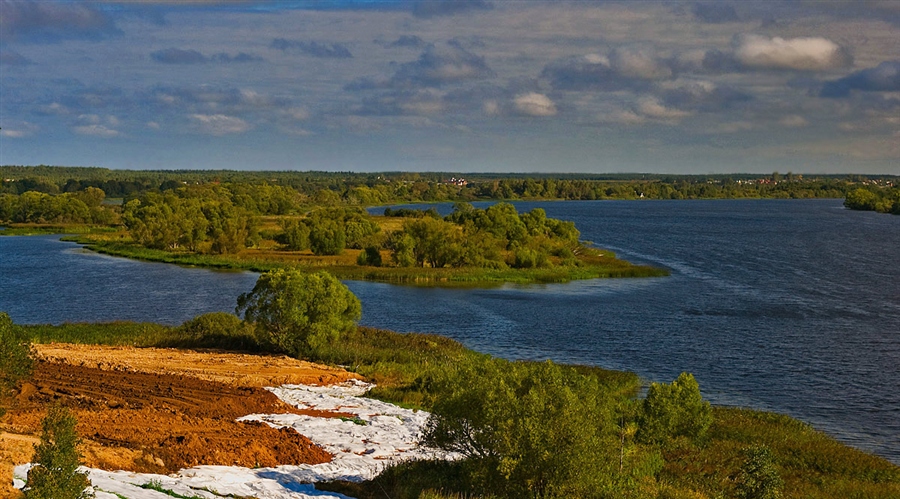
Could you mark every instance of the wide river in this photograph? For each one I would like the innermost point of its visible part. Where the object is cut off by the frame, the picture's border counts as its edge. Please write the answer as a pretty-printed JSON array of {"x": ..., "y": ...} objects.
[{"x": 791, "y": 306}]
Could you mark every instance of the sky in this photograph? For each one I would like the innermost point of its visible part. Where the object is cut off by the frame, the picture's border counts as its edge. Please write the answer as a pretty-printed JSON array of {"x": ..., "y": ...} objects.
[{"x": 453, "y": 85}]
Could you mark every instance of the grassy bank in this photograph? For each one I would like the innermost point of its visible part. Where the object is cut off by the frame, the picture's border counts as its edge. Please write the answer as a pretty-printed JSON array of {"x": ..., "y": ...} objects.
[
  {"x": 811, "y": 464},
  {"x": 589, "y": 266}
]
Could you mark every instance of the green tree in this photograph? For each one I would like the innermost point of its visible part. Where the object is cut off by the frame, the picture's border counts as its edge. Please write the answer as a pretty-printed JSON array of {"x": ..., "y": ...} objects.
[
  {"x": 55, "y": 472},
  {"x": 15, "y": 356},
  {"x": 758, "y": 477},
  {"x": 371, "y": 256},
  {"x": 861, "y": 199},
  {"x": 674, "y": 410},
  {"x": 532, "y": 430},
  {"x": 327, "y": 236},
  {"x": 300, "y": 312},
  {"x": 295, "y": 234}
]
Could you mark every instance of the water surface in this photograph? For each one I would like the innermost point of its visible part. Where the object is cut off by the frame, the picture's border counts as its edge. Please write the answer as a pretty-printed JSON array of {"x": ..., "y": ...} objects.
[{"x": 791, "y": 306}]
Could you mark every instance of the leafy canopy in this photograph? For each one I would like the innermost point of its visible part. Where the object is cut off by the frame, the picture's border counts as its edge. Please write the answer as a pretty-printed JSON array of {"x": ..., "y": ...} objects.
[{"x": 300, "y": 312}]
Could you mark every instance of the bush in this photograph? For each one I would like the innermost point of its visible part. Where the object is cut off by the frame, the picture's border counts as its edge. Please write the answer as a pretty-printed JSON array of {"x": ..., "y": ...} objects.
[
  {"x": 371, "y": 256},
  {"x": 300, "y": 313},
  {"x": 758, "y": 477},
  {"x": 674, "y": 410},
  {"x": 214, "y": 330},
  {"x": 15, "y": 356},
  {"x": 55, "y": 472},
  {"x": 533, "y": 430}
]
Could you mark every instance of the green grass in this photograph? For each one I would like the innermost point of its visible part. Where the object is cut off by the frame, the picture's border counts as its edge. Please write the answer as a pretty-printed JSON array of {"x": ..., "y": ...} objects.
[
  {"x": 588, "y": 268},
  {"x": 37, "y": 230},
  {"x": 812, "y": 464}
]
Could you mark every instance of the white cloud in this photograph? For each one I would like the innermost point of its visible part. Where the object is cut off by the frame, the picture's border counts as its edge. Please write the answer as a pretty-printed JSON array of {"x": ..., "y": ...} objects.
[
  {"x": 640, "y": 62},
  {"x": 20, "y": 130},
  {"x": 535, "y": 104},
  {"x": 153, "y": 125},
  {"x": 96, "y": 131},
  {"x": 220, "y": 124},
  {"x": 490, "y": 108},
  {"x": 793, "y": 121},
  {"x": 805, "y": 54},
  {"x": 652, "y": 108},
  {"x": 297, "y": 113}
]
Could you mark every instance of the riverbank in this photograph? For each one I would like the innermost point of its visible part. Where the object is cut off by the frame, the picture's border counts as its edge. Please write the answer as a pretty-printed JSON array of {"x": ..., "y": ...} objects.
[{"x": 812, "y": 464}]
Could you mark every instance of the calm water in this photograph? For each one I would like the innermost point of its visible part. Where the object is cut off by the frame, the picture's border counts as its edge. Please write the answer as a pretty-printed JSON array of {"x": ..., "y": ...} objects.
[{"x": 789, "y": 306}]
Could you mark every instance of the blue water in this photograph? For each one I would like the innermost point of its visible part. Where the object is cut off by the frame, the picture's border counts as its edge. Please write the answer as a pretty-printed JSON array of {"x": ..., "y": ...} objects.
[{"x": 783, "y": 305}]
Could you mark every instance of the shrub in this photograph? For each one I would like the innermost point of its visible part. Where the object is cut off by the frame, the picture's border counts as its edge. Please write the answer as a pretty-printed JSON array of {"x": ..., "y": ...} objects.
[
  {"x": 674, "y": 410},
  {"x": 55, "y": 472},
  {"x": 214, "y": 330},
  {"x": 758, "y": 477},
  {"x": 299, "y": 313},
  {"x": 371, "y": 256},
  {"x": 532, "y": 430}
]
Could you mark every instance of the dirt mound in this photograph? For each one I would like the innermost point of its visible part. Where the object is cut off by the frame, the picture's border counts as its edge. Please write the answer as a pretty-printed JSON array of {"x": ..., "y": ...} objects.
[
  {"x": 224, "y": 367},
  {"x": 160, "y": 410}
]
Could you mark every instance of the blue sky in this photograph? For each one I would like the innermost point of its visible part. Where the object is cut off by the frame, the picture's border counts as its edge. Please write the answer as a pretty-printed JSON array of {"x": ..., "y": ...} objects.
[{"x": 464, "y": 85}]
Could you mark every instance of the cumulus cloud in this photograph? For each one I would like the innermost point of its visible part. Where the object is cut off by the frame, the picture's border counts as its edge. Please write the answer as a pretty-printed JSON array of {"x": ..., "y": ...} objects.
[
  {"x": 50, "y": 22},
  {"x": 633, "y": 68},
  {"x": 11, "y": 58},
  {"x": 702, "y": 95},
  {"x": 19, "y": 130},
  {"x": 220, "y": 124},
  {"x": 440, "y": 65},
  {"x": 313, "y": 48},
  {"x": 883, "y": 78},
  {"x": 652, "y": 108},
  {"x": 181, "y": 56},
  {"x": 803, "y": 54},
  {"x": 433, "y": 8},
  {"x": 534, "y": 104},
  {"x": 641, "y": 62}
]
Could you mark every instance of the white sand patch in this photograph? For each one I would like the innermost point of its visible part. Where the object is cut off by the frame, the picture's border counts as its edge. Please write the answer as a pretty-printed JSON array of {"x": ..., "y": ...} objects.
[{"x": 378, "y": 435}]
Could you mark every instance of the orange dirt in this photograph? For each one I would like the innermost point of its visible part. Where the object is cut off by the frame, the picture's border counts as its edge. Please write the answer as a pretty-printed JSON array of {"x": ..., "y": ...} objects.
[{"x": 160, "y": 410}]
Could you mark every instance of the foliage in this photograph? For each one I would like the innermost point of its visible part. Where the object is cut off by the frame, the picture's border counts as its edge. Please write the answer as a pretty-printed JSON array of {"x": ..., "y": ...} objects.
[
  {"x": 294, "y": 234},
  {"x": 300, "y": 312},
  {"x": 371, "y": 256},
  {"x": 198, "y": 219},
  {"x": 326, "y": 236},
  {"x": 533, "y": 430},
  {"x": 15, "y": 356},
  {"x": 55, "y": 472},
  {"x": 674, "y": 410},
  {"x": 758, "y": 477},
  {"x": 214, "y": 330},
  {"x": 873, "y": 198}
]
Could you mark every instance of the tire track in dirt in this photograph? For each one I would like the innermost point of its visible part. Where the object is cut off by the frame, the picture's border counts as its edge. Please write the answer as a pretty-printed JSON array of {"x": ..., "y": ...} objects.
[{"x": 152, "y": 417}]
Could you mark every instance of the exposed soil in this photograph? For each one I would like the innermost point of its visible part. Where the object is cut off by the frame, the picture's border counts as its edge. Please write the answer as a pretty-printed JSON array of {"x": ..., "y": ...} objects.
[{"x": 160, "y": 410}]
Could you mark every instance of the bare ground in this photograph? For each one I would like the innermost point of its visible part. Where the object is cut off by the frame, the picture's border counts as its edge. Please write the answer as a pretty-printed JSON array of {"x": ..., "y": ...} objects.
[{"x": 160, "y": 410}]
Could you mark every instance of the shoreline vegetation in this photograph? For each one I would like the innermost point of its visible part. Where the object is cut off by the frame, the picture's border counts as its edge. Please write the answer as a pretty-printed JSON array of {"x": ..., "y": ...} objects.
[{"x": 418, "y": 371}]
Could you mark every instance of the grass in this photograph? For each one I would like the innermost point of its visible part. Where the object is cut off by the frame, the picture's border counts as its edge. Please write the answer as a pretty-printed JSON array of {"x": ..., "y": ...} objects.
[
  {"x": 43, "y": 229},
  {"x": 812, "y": 464},
  {"x": 589, "y": 266}
]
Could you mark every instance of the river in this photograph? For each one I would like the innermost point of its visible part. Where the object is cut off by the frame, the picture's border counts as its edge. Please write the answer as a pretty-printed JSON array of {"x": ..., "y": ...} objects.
[{"x": 791, "y": 306}]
